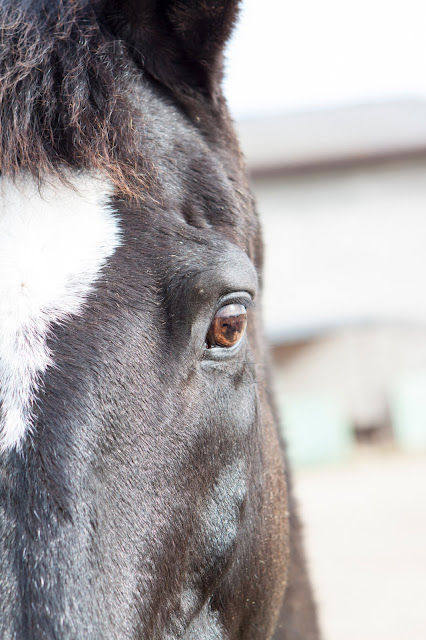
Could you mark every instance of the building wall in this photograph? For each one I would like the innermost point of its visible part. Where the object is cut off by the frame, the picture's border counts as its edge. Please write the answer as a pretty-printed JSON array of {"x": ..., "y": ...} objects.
[
  {"x": 344, "y": 246},
  {"x": 344, "y": 301}
]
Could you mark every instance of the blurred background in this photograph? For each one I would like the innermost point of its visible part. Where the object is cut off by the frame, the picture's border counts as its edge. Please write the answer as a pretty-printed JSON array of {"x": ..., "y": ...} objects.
[{"x": 329, "y": 99}]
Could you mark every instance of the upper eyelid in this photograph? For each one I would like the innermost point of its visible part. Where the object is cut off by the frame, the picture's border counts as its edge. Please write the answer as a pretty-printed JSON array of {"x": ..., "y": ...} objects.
[{"x": 239, "y": 298}]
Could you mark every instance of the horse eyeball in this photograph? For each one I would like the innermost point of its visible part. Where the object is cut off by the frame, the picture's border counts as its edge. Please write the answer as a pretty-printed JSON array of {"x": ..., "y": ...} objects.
[{"x": 228, "y": 326}]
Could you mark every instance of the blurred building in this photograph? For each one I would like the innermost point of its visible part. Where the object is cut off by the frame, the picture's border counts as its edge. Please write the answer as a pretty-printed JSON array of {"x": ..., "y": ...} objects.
[{"x": 342, "y": 195}]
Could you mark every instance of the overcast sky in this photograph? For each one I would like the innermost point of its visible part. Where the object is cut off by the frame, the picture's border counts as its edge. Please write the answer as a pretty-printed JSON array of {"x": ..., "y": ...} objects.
[{"x": 309, "y": 54}]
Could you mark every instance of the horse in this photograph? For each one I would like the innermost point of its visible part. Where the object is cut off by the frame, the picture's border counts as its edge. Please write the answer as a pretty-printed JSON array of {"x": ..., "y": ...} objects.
[{"x": 144, "y": 492}]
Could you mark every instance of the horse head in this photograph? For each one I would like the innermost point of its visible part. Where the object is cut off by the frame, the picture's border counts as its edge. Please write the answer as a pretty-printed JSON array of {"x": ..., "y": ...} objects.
[{"x": 142, "y": 484}]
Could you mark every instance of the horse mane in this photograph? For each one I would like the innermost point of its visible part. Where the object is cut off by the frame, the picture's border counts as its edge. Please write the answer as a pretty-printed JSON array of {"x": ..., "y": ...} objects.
[{"x": 65, "y": 95}]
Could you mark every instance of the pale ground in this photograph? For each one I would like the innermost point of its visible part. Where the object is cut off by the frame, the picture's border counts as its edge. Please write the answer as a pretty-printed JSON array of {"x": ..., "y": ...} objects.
[{"x": 365, "y": 528}]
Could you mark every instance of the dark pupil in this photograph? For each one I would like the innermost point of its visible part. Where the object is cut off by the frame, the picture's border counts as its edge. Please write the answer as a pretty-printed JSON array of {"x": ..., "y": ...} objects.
[{"x": 228, "y": 326}]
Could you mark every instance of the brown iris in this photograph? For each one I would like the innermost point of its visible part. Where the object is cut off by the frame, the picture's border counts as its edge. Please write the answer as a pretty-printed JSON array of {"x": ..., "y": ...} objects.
[{"x": 228, "y": 326}]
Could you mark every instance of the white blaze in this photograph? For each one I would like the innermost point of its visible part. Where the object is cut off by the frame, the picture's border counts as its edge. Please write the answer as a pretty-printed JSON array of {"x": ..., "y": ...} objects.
[{"x": 53, "y": 244}]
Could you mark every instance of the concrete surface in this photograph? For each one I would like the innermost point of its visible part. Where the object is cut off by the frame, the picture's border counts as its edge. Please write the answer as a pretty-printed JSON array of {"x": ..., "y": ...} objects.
[{"x": 365, "y": 528}]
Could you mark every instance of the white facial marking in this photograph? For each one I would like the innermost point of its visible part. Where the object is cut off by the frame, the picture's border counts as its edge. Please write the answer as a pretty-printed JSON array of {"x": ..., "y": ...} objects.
[{"x": 53, "y": 245}]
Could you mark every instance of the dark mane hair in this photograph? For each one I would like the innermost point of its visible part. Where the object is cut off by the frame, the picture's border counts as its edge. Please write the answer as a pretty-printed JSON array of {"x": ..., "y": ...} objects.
[{"x": 64, "y": 95}]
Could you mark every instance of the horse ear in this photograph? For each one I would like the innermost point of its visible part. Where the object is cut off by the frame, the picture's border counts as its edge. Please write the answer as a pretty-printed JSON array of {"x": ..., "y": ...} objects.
[{"x": 176, "y": 41}]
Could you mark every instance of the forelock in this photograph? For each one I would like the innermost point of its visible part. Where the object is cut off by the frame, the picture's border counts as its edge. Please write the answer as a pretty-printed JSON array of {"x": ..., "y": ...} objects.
[{"x": 65, "y": 96}]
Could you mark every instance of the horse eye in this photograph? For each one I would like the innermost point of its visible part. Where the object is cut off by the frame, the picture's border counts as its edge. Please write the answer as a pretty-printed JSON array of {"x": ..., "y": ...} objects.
[{"x": 228, "y": 326}]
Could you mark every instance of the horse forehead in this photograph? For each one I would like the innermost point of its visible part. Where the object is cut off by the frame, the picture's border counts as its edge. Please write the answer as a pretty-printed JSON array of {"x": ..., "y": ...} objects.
[{"x": 54, "y": 241}]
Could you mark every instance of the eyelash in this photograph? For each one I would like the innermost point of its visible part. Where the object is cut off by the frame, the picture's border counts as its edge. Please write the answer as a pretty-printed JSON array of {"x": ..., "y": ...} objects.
[{"x": 239, "y": 298}]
